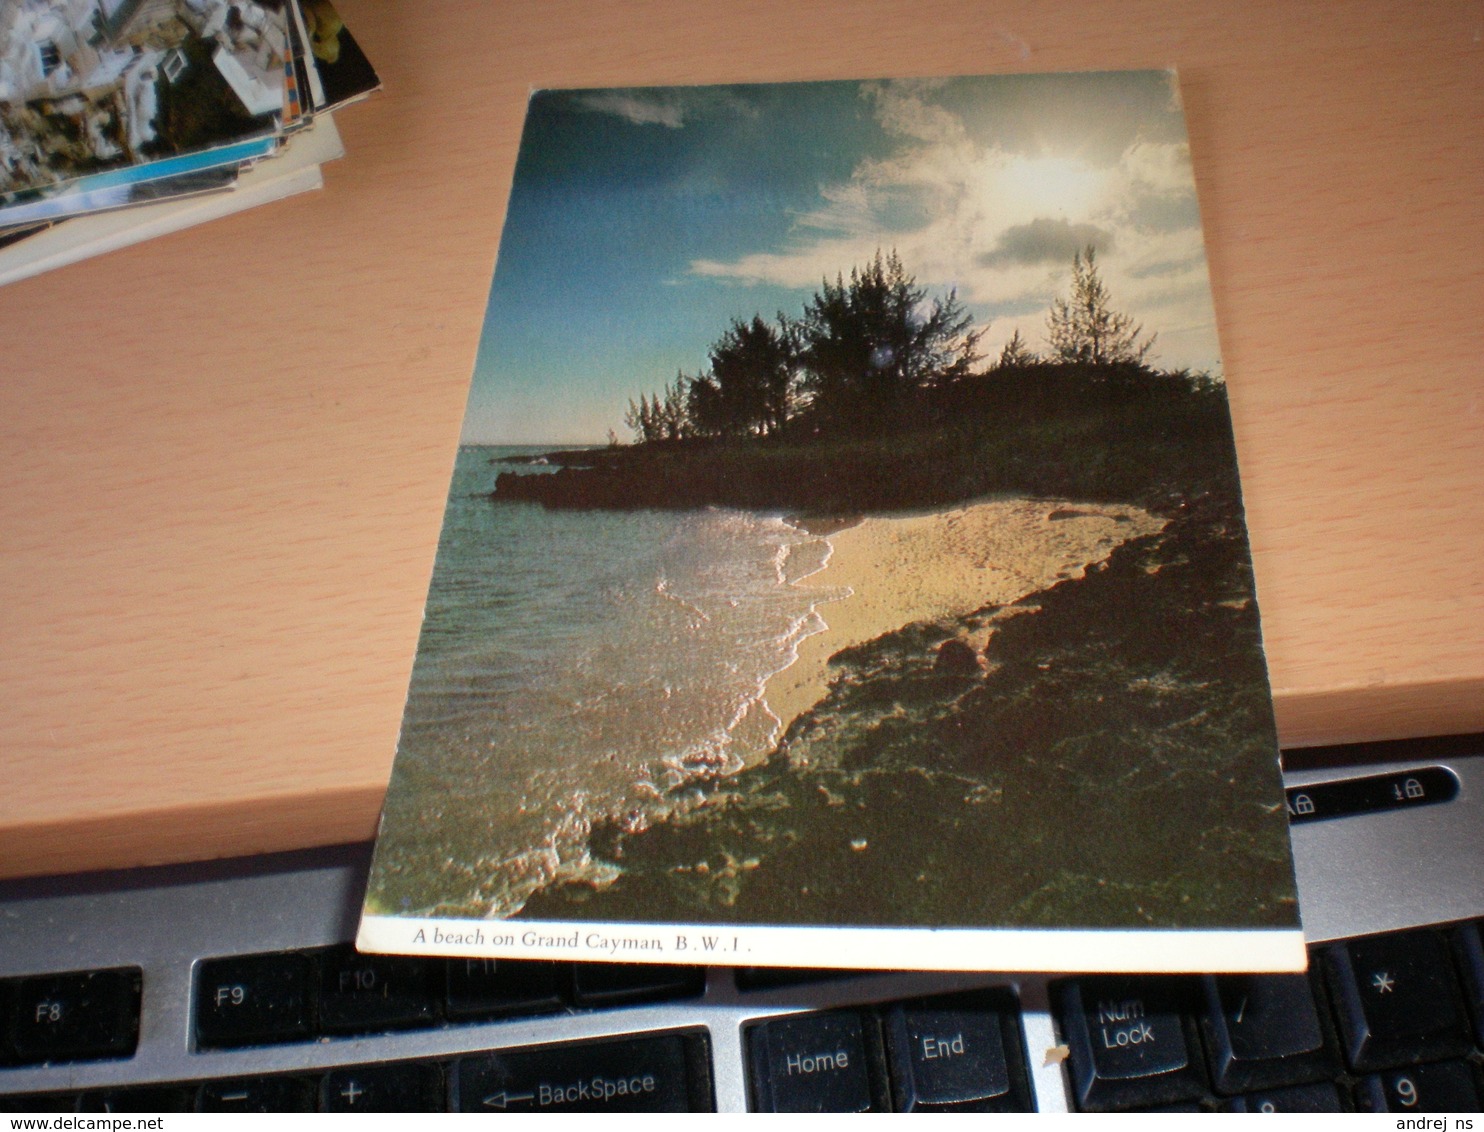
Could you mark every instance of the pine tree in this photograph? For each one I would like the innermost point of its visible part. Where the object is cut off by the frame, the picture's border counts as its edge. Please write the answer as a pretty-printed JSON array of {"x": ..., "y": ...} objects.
[
  {"x": 869, "y": 346},
  {"x": 753, "y": 366},
  {"x": 670, "y": 411},
  {"x": 1015, "y": 354},
  {"x": 704, "y": 407},
  {"x": 644, "y": 419},
  {"x": 1085, "y": 328}
]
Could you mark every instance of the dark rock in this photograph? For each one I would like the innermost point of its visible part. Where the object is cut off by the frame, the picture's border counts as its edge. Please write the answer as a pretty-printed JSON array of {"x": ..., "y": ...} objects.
[{"x": 955, "y": 658}]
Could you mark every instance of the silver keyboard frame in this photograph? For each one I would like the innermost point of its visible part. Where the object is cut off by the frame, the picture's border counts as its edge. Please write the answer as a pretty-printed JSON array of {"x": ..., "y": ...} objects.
[{"x": 1357, "y": 876}]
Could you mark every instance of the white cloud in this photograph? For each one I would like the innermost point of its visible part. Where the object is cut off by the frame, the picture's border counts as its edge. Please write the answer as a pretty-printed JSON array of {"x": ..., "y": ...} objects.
[
  {"x": 902, "y": 110},
  {"x": 847, "y": 208},
  {"x": 1159, "y": 167},
  {"x": 971, "y": 204},
  {"x": 639, "y": 109}
]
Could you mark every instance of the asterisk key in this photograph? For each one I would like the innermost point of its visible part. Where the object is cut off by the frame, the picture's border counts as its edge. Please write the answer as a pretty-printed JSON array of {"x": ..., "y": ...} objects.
[{"x": 1383, "y": 982}]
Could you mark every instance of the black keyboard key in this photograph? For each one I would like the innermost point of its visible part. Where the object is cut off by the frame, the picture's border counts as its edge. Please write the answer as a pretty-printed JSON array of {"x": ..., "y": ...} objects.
[
  {"x": 1469, "y": 947},
  {"x": 665, "y": 1073},
  {"x": 86, "y": 1014},
  {"x": 614, "y": 984},
  {"x": 257, "y": 1094},
  {"x": 814, "y": 1063},
  {"x": 1132, "y": 1041},
  {"x": 253, "y": 999},
  {"x": 490, "y": 988},
  {"x": 7, "y": 993},
  {"x": 770, "y": 978},
  {"x": 1263, "y": 1031},
  {"x": 1448, "y": 1086},
  {"x": 157, "y": 1098},
  {"x": 412, "y": 1086},
  {"x": 1318, "y": 1096},
  {"x": 361, "y": 994},
  {"x": 39, "y": 1102},
  {"x": 957, "y": 1052},
  {"x": 1397, "y": 1000}
]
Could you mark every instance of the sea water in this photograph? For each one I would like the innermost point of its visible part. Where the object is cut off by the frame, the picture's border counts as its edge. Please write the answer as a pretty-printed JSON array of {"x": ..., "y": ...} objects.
[{"x": 577, "y": 666}]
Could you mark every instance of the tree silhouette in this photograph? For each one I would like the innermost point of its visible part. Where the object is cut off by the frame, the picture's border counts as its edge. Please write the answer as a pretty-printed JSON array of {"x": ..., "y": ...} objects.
[
  {"x": 752, "y": 370},
  {"x": 869, "y": 346},
  {"x": 664, "y": 416},
  {"x": 1084, "y": 327},
  {"x": 672, "y": 415},
  {"x": 703, "y": 404},
  {"x": 864, "y": 353},
  {"x": 1015, "y": 354},
  {"x": 640, "y": 420}
]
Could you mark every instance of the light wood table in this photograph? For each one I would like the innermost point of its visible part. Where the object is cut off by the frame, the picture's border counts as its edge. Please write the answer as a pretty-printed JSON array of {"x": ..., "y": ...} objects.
[{"x": 225, "y": 452}]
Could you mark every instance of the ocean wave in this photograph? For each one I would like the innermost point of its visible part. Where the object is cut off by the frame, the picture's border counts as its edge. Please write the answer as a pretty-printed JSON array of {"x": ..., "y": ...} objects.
[
  {"x": 662, "y": 590},
  {"x": 580, "y": 668}
]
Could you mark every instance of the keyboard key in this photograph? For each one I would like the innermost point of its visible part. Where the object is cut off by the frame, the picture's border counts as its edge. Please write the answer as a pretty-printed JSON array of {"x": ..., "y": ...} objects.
[
  {"x": 1131, "y": 1040},
  {"x": 770, "y": 978},
  {"x": 614, "y": 984},
  {"x": 87, "y": 1014},
  {"x": 813, "y": 1063},
  {"x": 1469, "y": 947},
  {"x": 7, "y": 993},
  {"x": 253, "y": 999},
  {"x": 157, "y": 1098},
  {"x": 1397, "y": 1000},
  {"x": 257, "y": 1094},
  {"x": 361, "y": 994},
  {"x": 1319, "y": 1096},
  {"x": 1263, "y": 1031},
  {"x": 1448, "y": 1086},
  {"x": 489, "y": 988},
  {"x": 39, "y": 1102},
  {"x": 411, "y": 1086},
  {"x": 957, "y": 1052},
  {"x": 667, "y": 1073}
]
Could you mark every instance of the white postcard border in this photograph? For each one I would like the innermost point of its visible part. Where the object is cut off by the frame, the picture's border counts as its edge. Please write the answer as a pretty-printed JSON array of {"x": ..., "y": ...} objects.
[{"x": 1134, "y": 951}]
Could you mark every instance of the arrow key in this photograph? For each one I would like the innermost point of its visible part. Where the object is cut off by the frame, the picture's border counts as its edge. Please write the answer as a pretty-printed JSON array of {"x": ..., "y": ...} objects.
[{"x": 659, "y": 1073}]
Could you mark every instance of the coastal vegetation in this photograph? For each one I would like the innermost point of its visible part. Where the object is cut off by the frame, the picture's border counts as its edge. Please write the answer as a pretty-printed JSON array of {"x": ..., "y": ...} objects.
[
  {"x": 874, "y": 398},
  {"x": 1107, "y": 758}
]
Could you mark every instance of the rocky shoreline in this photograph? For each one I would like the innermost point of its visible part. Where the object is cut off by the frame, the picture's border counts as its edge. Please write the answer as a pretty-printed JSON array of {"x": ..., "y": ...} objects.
[{"x": 1109, "y": 759}]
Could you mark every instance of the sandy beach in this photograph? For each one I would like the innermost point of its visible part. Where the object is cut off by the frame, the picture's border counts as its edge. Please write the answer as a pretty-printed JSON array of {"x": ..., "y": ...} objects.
[{"x": 943, "y": 566}]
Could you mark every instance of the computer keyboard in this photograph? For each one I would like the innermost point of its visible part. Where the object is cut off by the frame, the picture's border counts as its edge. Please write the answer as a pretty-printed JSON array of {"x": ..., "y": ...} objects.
[{"x": 231, "y": 986}]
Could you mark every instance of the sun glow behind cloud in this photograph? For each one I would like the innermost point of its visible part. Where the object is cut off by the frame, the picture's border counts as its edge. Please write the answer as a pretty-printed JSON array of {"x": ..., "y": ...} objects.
[
  {"x": 643, "y": 221},
  {"x": 1000, "y": 223},
  {"x": 1052, "y": 185}
]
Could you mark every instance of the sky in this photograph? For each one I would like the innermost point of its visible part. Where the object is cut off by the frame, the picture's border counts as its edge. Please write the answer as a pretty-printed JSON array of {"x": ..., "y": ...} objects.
[{"x": 642, "y": 221}]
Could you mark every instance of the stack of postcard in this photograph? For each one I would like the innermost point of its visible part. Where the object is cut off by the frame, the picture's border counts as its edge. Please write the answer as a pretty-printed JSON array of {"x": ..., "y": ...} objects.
[
  {"x": 845, "y": 562},
  {"x": 126, "y": 119}
]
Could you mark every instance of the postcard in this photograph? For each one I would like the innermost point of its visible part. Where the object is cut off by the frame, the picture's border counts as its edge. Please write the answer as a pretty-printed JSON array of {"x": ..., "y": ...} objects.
[
  {"x": 340, "y": 73},
  {"x": 12, "y": 236},
  {"x": 87, "y": 87},
  {"x": 80, "y": 198},
  {"x": 100, "y": 191},
  {"x": 297, "y": 170},
  {"x": 844, "y": 563}
]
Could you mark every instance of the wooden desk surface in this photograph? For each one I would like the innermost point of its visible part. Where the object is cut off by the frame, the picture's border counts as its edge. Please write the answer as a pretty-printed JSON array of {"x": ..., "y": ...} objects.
[{"x": 225, "y": 452}]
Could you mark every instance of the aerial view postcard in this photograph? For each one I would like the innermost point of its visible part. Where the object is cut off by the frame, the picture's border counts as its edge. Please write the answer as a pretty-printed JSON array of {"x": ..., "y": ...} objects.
[
  {"x": 88, "y": 86},
  {"x": 844, "y": 563}
]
